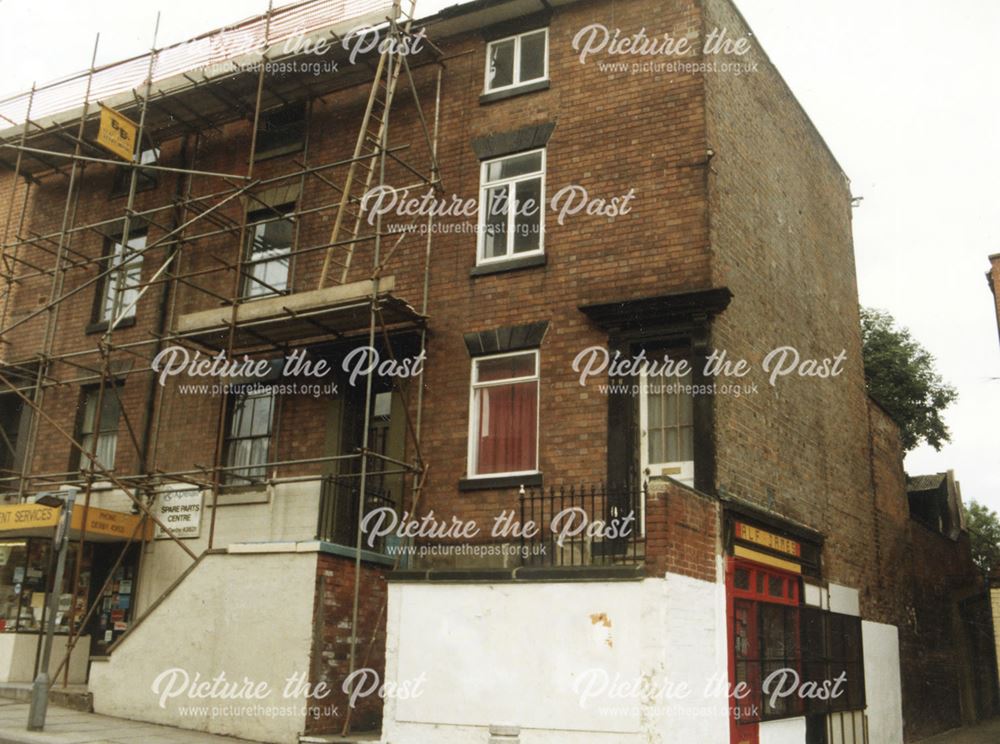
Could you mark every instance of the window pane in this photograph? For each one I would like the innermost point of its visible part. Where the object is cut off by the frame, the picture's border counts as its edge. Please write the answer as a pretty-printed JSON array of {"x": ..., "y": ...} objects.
[
  {"x": 528, "y": 217},
  {"x": 107, "y": 443},
  {"x": 775, "y": 642},
  {"x": 741, "y": 579},
  {"x": 512, "y": 167},
  {"x": 508, "y": 421},
  {"x": 775, "y": 586},
  {"x": 239, "y": 423},
  {"x": 505, "y": 367},
  {"x": 89, "y": 413},
  {"x": 501, "y": 64},
  {"x": 262, "y": 415},
  {"x": 121, "y": 284},
  {"x": 532, "y": 56},
  {"x": 110, "y": 410},
  {"x": 273, "y": 236},
  {"x": 495, "y": 228},
  {"x": 670, "y": 419}
]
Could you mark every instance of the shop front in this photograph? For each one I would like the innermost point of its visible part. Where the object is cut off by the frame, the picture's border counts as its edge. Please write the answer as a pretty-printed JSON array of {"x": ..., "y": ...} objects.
[
  {"x": 102, "y": 567},
  {"x": 796, "y": 667}
]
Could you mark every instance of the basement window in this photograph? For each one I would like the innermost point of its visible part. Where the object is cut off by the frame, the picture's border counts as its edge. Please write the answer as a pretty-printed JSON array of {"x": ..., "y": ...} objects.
[
  {"x": 503, "y": 430},
  {"x": 511, "y": 207},
  {"x": 517, "y": 60}
]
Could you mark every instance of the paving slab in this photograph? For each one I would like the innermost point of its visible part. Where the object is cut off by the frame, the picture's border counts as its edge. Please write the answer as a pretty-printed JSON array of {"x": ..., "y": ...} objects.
[
  {"x": 984, "y": 733},
  {"x": 66, "y": 726}
]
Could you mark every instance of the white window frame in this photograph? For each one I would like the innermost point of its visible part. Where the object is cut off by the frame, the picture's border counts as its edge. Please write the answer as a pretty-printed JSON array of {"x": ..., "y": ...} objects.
[
  {"x": 475, "y": 386},
  {"x": 115, "y": 292},
  {"x": 511, "y": 184},
  {"x": 232, "y": 470},
  {"x": 686, "y": 467},
  {"x": 253, "y": 289},
  {"x": 517, "y": 61}
]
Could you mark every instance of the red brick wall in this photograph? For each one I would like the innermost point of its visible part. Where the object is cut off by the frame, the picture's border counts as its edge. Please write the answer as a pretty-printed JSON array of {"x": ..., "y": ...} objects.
[
  {"x": 332, "y": 637},
  {"x": 781, "y": 239},
  {"x": 590, "y": 259},
  {"x": 920, "y": 578},
  {"x": 682, "y": 528}
]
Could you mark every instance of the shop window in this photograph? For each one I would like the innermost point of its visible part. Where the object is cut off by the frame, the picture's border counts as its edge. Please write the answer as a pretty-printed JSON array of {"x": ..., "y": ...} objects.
[
  {"x": 146, "y": 178},
  {"x": 511, "y": 207},
  {"x": 504, "y": 414},
  {"x": 120, "y": 288},
  {"x": 248, "y": 436},
  {"x": 268, "y": 252},
  {"x": 281, "y": 131},
  {"x": 24, "y": 566},
  {"x": 774, "y": 636},
  {"x": 99, "y": 433},
  {"x": 517, "y": 60}
]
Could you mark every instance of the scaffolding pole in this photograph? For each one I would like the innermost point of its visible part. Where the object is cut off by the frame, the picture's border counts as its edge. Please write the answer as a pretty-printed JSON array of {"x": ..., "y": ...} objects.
[{"x": 178, "y": 239}]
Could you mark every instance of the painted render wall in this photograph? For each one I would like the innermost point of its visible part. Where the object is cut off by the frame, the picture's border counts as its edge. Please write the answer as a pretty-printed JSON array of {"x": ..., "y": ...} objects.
[
  {"x": 17, "y": 657},
  {"x": 785, "y": 731},
  {"x": 288, "y": 514},
  {"x": 206, "y": 626},
  {"x": 543, "y": 644},
  {"x": 883, "y": 686}
]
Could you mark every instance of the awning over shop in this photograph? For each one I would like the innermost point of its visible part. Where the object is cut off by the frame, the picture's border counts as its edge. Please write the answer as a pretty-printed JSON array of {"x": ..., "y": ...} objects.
[{"x": 103, "y": 525}]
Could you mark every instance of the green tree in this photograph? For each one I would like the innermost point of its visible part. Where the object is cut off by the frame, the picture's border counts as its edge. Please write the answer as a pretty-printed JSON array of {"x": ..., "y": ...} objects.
[
  {"x": 984, "y": 536},
  {"x": 901, "y": 376}
]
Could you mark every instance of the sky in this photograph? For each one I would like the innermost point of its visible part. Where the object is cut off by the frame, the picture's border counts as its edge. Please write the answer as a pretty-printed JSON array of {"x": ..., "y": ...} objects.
[{"x": 903, "y": 91}]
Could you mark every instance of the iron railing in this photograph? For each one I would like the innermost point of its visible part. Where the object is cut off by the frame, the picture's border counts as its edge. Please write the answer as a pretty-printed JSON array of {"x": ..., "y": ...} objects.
[
  {"x": 583, "y": 526},
  {"x": 338, "y": 511}
]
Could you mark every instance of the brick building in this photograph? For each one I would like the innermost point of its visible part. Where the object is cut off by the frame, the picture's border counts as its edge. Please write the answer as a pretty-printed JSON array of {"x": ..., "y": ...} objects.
[{"x": 744, "y": 521}]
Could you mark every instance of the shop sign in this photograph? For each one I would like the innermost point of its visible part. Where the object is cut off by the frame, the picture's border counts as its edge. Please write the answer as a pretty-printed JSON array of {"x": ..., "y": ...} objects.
[
  {"x": 766, "y": 539},
  {"x": 180, "y": 511},
  {"x": 105, "y": 522},
  {"x": 27, "y": 517}
]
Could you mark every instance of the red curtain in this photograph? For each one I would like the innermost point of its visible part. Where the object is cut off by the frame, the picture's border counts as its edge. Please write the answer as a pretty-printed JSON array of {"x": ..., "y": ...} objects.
[{"x": 508, "y": 428}]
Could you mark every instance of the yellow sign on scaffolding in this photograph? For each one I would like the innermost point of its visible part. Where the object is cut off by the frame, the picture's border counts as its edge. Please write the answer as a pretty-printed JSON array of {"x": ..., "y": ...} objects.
[{"x": 117, "y": 133}]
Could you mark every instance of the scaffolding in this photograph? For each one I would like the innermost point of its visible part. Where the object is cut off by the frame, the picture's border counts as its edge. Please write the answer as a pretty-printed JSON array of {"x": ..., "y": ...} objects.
[{"x": 177, "y": 93}]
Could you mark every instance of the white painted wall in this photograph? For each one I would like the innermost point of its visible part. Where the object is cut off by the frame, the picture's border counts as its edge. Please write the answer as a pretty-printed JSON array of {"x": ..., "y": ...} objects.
[
  {"x": 17, "y": 657},
  {"x": 289, "y": 515},
  {"x": 785, "y": 731},
  {"x": 883, "y": 686},
  {"x": 520, "y": 654},
  {"x": 248, "y": 616}
]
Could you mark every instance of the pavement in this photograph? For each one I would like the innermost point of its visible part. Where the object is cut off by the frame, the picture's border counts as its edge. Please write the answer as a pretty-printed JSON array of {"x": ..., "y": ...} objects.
[
  {"x": 65, "y": 726},
  {"x": 984, "y": 733}
]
